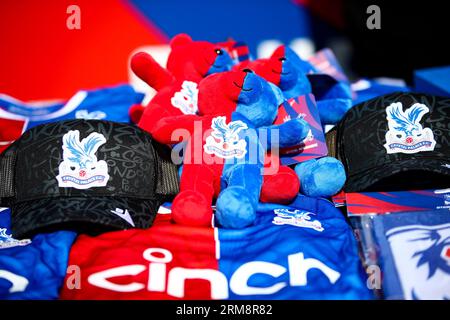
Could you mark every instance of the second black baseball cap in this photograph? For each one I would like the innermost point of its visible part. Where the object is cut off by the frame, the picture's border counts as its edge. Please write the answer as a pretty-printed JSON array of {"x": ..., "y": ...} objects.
[
  {"x": 89, "y": 176},
  {"x": 399, "y": 141}
]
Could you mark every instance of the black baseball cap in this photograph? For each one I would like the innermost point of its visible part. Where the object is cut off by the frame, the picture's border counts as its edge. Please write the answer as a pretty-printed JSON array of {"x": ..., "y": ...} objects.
[
  {"x": 89, "y": 176},
  {"x": 399, "y": 141}
]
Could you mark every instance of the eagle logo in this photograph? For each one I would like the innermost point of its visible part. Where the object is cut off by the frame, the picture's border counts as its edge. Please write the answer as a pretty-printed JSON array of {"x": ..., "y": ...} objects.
[
  {"x": 7, "y": 241},
  {"x": 296, "y": 218},
  {"x": 224, "y": 140},
  {"x": 80, "y": 168},
  {"x": 437, "y": 255},
  {"x": 405, "y": 133},
  {"x": 85, "y": 114},
  {"x": 187, "y": 98},
  {"x": 422, "y": 257}
]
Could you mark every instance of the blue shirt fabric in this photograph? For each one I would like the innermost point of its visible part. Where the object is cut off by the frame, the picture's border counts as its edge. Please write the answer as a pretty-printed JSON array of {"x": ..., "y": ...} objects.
[
  {"x": 110, "y": 103},
  {"x": 32, "y": 269},
  {"x": 305, "y": 250}
]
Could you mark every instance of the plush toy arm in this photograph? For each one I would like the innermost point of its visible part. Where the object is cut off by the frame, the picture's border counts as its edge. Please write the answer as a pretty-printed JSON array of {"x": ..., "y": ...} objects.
[
  {"x": 147, "y": 69},
  {"x": 290, "y": 133},
  {"x": 331, "y": 111},
  {"x": 177, "y": 129}
]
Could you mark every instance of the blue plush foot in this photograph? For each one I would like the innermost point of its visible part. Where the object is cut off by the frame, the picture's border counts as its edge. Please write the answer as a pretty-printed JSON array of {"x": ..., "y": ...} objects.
[
  {"x": 321, "y": 178},
  {"x": 234, "y": 208}
]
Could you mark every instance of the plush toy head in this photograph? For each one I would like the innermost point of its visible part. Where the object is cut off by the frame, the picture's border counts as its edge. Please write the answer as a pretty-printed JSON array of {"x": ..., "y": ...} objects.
[
  {"x": 194, "y": 60},
  {"x": 284, "y": 69},
  {"x": 296, "y": 62},
  {"x": 188, "y": 61},
  {"x": 240, "y": 91},
  {"x": 297, "y": 77},
  {"x": 238, "y": 50}
]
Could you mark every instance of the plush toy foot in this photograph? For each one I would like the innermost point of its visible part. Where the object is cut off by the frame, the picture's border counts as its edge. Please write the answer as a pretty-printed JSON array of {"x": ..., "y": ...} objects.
[
  {"x": 234, "y": 208},
  {"x": 281, "y": 187},
  {"x": 192, "y": 208},
  {"x": 321, "y": 178}
]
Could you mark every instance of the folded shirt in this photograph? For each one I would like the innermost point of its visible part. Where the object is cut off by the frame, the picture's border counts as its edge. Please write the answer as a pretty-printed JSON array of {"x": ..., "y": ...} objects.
[
  {"x": 302, "y": 251},
  {"x": 110, "y": 103}
]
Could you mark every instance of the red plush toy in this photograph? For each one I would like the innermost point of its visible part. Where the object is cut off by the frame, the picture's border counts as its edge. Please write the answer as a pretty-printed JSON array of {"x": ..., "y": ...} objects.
[
  {"x": 171, "y": 110},
  {"x": 224, "y": 158},
  {"x": 189, "y": 62}
]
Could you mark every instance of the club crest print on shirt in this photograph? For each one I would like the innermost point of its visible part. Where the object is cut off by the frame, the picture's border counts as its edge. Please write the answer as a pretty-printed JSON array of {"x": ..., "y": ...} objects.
[
  {"x": 296, "y": 218},
  {"x": 406, "y": 134},
  {"x": 186, "y": 99},
  {"x": 80, "y": 168},
  {"x": 85, "y": 114},
  {"x": 224, "y": 140},
  {"x": 7, "y": 241}
]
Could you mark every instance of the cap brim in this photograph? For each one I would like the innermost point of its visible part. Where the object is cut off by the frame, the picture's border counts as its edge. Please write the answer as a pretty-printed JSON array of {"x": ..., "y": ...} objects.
[
  {"x": 92, "y": 215},
  {"x": 369, "y": 179}
]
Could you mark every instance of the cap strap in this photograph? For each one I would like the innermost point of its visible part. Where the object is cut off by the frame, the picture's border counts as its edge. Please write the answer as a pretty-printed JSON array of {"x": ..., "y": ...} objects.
[
  {"x": 7, "y": 164},
  {"x": 167, "y": 181},
  {"x": 331, "y": 140}
]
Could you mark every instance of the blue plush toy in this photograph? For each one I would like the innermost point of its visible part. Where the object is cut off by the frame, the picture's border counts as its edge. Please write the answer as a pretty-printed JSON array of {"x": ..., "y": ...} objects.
[
  {"x": 225, "y": 159},
  {"x": 326, "y": 176},
  {"x": 297, "y": 77}
]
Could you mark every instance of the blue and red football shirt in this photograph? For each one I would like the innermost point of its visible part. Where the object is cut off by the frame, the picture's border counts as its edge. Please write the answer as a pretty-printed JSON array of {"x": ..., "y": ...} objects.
[
  {"x": 302, "y": 251},
  {"x": 111, "y": 103}
]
